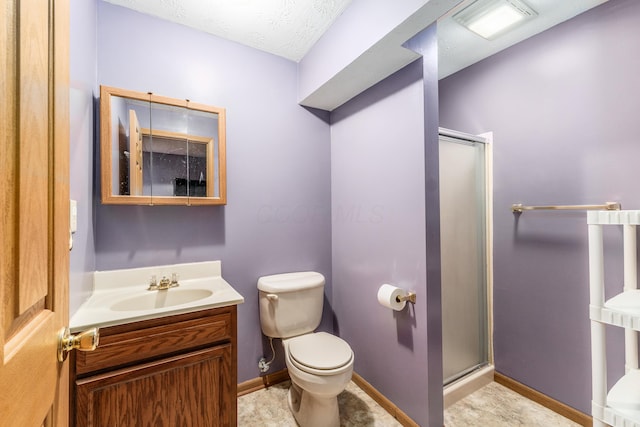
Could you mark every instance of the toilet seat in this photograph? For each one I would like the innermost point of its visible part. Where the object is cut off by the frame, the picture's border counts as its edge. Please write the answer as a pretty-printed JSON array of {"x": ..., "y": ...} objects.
[{"x": 320, "y": 353}]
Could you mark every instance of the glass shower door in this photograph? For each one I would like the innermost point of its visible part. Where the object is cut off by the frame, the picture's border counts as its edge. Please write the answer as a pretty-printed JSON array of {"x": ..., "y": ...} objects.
[{"x": 463, "y": 239}]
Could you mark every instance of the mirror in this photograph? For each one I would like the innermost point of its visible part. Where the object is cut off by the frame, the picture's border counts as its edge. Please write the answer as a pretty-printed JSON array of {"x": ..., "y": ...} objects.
[{"x": 160, "y": 151}]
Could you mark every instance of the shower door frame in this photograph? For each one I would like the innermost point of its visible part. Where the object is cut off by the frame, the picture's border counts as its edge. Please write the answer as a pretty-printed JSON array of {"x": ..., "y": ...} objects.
[{"x": 487, "y": 140}]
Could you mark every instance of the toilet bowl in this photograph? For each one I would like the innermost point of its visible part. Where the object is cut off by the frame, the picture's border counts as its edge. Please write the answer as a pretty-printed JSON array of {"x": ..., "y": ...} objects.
[
  {"x": 320, "y": 364},
  {"x": 320, "y": 367}
]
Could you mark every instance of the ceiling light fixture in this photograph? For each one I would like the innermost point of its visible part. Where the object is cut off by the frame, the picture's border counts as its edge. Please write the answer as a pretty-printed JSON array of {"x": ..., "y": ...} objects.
[{"x": 490, "y": 18}]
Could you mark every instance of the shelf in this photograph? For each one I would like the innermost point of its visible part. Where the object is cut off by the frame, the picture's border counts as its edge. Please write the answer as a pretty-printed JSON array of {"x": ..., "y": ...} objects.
[
  {"x": 623, "y": 310},
  {"x": 623, "y": 402},
  {"x": 625, "y": 302},
  {"x": 619, "y": 418},
  {"x": 625, "y": 394},
  {"x": 620, "y": 407},
  {"x": 627, "y": 217}
]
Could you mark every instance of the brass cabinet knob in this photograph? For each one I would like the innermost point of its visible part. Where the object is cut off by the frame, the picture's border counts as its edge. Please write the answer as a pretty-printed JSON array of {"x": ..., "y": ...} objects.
[{"x": 84, "y": 341}]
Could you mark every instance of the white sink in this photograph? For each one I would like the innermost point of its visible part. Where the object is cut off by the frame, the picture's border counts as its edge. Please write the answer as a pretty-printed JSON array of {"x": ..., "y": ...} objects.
[
  {"x": 121, "y": 296},
  {"x": 161, "y": 299}
]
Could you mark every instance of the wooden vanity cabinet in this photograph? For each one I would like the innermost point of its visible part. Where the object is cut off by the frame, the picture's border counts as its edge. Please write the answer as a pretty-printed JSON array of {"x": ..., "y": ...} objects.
[{"x": 172, "y": 371}]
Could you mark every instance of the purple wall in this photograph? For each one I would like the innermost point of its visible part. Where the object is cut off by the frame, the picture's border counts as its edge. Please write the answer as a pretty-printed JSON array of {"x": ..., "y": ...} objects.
[
  {"x": 83, "y": 90},
  {"x": 278, "y": 166},
  {"x": 563, "y": 107},
  {"x": 378, "y": 236}
]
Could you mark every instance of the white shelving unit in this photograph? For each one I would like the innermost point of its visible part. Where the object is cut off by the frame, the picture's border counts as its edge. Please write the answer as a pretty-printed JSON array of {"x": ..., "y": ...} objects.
[{"x": 619, "y": 406}]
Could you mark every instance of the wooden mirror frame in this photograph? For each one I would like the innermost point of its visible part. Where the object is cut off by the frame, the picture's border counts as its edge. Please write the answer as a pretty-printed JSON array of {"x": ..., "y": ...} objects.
[{"x": 108, "y": 196}]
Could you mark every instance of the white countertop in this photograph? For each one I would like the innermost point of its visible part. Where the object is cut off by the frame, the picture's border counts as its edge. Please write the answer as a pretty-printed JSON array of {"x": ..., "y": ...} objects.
[{"x": 121, "y": 296}]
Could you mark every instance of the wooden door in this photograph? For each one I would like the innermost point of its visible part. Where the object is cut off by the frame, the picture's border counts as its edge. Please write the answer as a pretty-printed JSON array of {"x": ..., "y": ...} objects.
[{"x": 34, "y": 198}]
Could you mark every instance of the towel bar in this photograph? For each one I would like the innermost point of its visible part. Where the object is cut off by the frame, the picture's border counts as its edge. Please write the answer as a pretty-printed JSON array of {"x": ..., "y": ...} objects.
[{"x": 608, "y": 206}]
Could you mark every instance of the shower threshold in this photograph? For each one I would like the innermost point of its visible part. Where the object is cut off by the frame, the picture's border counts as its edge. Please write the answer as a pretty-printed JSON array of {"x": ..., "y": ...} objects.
[{"x": 463, "y": 386}]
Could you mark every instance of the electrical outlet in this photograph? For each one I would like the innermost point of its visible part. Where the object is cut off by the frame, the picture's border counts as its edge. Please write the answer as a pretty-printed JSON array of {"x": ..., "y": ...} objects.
[{"x": 263, "y": 366}]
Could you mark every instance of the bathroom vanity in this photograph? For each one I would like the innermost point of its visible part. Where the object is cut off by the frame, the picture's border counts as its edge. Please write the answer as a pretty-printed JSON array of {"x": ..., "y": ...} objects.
[
  {"x": 168, "y": 365},
  {"x": 177, "y": 370}
]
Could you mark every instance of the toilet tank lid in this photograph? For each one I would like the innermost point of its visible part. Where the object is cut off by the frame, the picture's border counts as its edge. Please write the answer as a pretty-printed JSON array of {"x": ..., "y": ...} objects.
[{"x": 290, "y": 282}]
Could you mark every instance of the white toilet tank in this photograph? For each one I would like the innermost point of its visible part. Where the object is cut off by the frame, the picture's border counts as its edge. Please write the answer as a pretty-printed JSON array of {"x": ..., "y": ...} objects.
[{"x": 291, "y": 303}]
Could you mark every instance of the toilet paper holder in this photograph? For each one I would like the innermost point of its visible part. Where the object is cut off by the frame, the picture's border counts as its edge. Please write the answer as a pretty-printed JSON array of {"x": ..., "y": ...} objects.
[{"x": 409, "y": 296}]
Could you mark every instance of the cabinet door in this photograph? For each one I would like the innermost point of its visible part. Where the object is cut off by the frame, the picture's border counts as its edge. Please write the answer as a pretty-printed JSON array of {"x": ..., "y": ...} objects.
[{"x": 194, "y": 389}]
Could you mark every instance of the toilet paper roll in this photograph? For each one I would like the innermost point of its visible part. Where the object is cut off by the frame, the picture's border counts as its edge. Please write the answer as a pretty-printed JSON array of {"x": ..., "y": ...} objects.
[{"x": 388, "y": 297}]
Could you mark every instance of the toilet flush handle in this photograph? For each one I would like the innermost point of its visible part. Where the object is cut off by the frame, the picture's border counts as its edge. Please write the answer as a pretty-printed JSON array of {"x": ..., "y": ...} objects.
[{"x": 272, "y": 297}]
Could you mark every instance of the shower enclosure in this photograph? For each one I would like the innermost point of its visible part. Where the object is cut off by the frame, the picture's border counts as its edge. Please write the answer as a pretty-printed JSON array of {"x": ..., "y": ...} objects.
[{"x": 463, "y": 222}]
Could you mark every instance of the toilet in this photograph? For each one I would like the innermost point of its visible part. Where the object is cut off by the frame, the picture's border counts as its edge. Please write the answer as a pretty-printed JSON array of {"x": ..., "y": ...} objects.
[{"x": 320, "y": 364}]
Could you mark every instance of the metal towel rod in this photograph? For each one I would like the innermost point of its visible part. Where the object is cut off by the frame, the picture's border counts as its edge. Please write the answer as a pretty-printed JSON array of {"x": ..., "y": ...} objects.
[{"x": 608, "y": 206}]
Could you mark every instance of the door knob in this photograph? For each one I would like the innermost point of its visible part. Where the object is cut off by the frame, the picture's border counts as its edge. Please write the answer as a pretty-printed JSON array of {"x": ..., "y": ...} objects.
[{"x": 84, "y": 341}]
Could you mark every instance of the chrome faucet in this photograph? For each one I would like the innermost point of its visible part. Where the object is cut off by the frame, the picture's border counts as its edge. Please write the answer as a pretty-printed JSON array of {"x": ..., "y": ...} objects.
[{"x": 165, "y": 283}]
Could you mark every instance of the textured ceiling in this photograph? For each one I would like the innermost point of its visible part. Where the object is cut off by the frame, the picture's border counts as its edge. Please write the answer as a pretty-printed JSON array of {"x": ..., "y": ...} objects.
[
  {"x": 286, "y": 28},
  {"x": 289, "y": 28}
]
